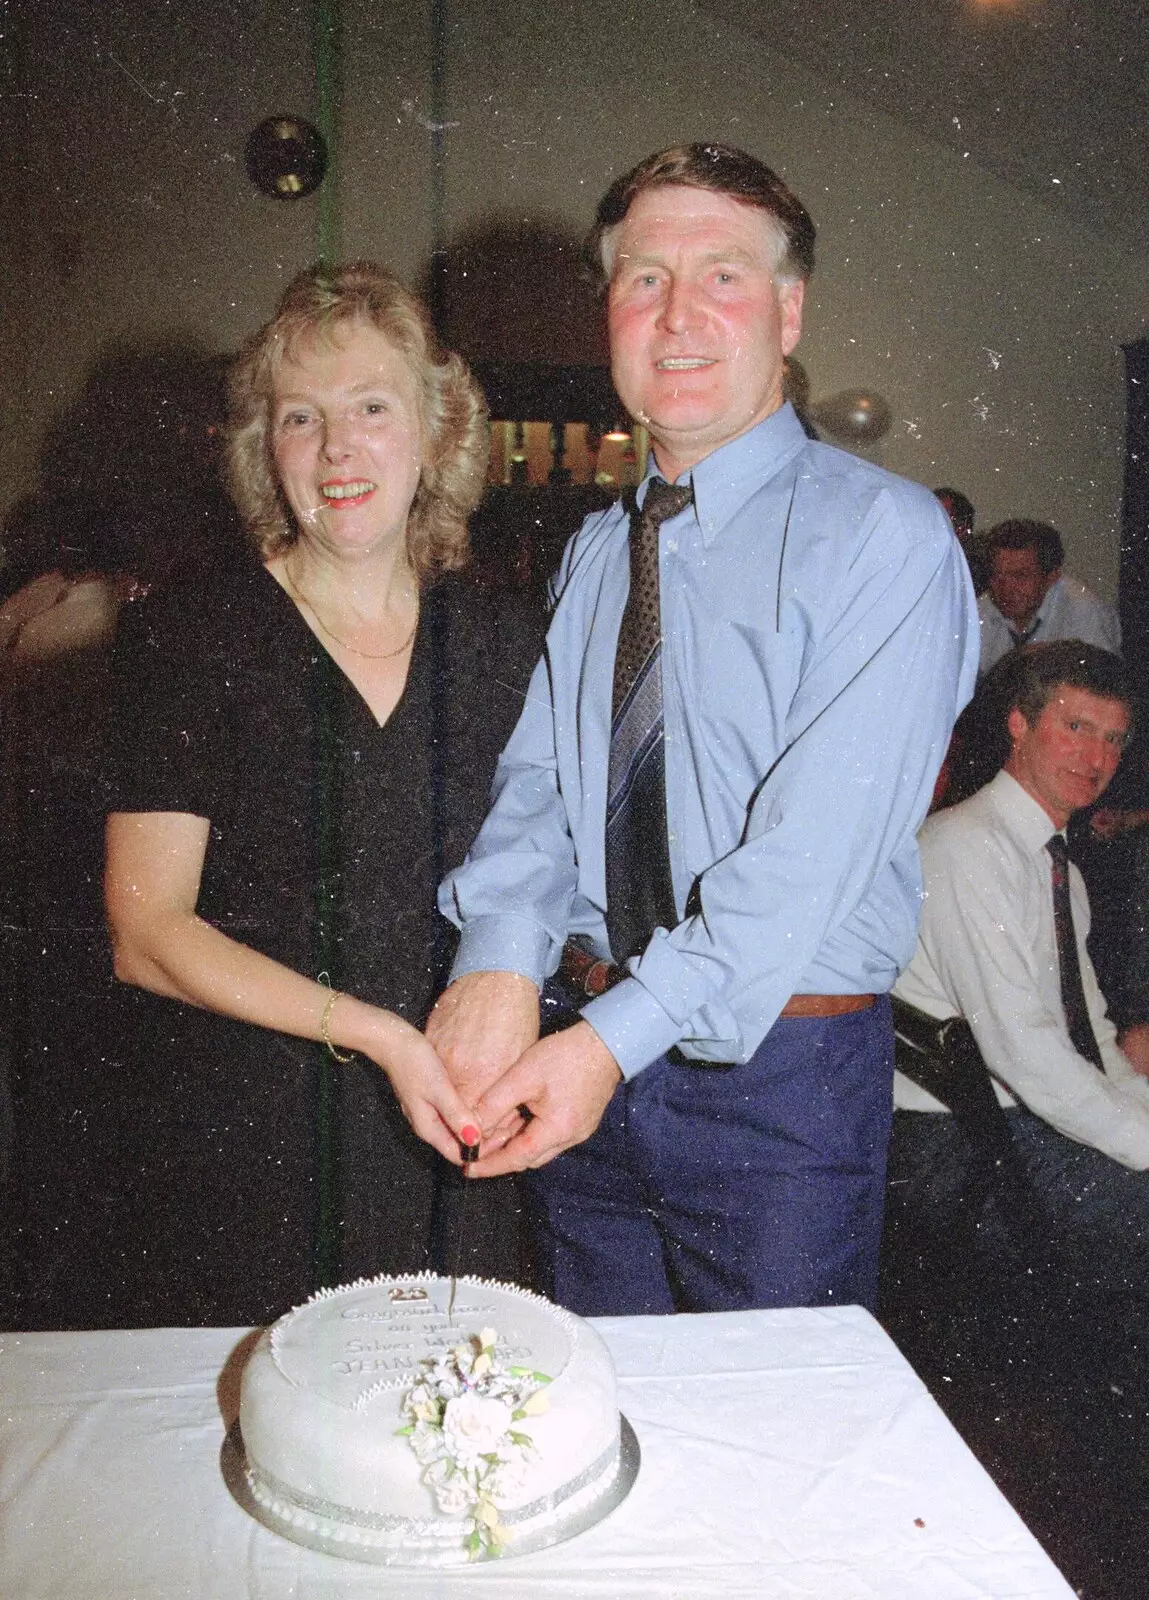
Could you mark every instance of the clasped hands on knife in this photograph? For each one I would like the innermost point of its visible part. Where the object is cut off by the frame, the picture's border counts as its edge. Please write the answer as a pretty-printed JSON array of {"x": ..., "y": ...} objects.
[{"x": 485, "y": 1030}]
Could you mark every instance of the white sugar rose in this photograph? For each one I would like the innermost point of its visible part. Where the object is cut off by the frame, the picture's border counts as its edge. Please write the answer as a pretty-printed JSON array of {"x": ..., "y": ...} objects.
[
  {"x": 454, "y": 1494},
  {"x": 473, "y": 1427},
  {"x": 427, "y": 1443},
  {"x": 507, "y": 1484}
]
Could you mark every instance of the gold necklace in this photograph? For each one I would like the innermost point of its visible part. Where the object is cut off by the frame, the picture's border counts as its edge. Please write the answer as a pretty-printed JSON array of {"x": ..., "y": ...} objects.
[{"x": 367, "y": 655}]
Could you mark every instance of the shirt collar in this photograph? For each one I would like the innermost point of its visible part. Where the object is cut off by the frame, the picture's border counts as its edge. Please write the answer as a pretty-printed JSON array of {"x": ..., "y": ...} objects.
[
  {"x": 1027, "y": 821},
  {"x": 724, "y": 480},
  {"x": 1047, "y": 601}
]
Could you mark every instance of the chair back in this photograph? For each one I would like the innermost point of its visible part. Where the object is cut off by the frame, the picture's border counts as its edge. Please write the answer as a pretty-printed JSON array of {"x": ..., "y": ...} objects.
[{"x": 943, "y": 1058}]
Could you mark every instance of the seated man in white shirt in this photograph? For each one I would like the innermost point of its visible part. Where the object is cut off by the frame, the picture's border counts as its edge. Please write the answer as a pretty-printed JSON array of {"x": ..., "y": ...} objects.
[
  {"x": 1032, "y": 600},
  {"x": 989, "y": 950}
]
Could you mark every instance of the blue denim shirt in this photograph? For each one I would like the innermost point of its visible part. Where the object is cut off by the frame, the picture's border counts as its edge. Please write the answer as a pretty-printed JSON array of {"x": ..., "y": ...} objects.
[{"x": 819, "y": 638}]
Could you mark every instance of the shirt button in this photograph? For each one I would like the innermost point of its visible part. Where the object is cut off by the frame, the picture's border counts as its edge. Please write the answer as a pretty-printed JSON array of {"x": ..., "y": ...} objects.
[{"x": 672, "y": 546}]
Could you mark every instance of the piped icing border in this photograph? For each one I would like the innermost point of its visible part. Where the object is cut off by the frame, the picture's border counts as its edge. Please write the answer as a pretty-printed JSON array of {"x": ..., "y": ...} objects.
[{"x": 279, "y": 1329}]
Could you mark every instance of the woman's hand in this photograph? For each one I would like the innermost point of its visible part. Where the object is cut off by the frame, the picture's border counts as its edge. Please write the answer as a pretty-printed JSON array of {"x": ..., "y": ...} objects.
[{"x": 426, "y": 1096}]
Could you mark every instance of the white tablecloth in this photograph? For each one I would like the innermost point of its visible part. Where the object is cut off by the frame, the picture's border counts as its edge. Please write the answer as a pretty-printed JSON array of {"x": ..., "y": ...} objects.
[{"x": 784, "y": 1454}]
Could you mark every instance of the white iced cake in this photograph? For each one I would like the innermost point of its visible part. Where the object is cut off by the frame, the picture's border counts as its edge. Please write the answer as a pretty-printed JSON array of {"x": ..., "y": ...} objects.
[{"x": 388, "y": 1420}]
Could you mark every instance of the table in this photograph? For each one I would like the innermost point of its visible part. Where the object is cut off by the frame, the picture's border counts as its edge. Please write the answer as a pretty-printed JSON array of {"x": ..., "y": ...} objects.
[{"x": 784, "y": 1454}]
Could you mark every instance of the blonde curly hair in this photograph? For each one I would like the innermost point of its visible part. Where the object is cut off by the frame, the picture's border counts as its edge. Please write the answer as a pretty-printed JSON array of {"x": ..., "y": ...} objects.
[{"x": 322, "y": 302}]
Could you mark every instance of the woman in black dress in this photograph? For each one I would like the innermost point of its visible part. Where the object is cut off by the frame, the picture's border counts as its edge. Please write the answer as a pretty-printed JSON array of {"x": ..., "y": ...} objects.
[{"x": 302, "y": 748}]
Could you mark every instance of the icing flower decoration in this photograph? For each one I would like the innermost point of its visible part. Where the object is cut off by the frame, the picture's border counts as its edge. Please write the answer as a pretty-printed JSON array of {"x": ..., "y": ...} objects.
[
  {"x": 473, "y": 1426},
  {"x": 462, "y": 1411}
]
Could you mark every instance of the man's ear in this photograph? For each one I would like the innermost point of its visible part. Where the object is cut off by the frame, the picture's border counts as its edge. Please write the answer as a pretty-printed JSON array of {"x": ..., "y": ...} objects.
[
  {"x": 790, "y": 297},
  {"x": 1050, "y": 579},
  {"x": 1016, "y": 725}
]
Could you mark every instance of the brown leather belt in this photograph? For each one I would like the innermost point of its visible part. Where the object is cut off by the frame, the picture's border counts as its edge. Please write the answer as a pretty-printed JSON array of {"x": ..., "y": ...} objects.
[
  {"x": 826, "y": 1005},
  {"x": 588, "y": 973},
  {"x": 591, "y": 975}
]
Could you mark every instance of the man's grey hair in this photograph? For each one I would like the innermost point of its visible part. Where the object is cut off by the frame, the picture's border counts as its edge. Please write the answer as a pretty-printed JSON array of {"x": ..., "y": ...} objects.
[{"x": 721, "y": 169}]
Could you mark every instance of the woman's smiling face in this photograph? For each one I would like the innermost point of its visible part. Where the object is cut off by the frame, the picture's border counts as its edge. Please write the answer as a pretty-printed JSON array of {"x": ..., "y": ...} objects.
[{"x": 347, "y": 439}]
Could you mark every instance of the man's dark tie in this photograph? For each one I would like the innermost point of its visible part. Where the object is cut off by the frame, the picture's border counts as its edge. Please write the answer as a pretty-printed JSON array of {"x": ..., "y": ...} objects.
[
  {"x": 639, "y": 892},
  {"x": 1023, "y": 637},
  {"x": 1072, "y": 991}
]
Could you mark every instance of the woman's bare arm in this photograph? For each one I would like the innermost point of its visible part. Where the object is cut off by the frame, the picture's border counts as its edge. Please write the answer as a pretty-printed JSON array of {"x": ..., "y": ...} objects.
[{"x": 154, "y": 863}]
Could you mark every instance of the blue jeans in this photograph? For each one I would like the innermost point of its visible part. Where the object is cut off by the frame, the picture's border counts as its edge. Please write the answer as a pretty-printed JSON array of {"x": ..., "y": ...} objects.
[{"x": 723, "y": 1188}]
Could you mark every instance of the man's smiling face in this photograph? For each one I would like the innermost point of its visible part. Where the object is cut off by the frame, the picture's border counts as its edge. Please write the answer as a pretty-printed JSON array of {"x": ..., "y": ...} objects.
[
  {"x": 699, "y": 328},
  {"x": 1066, "y": 758}
]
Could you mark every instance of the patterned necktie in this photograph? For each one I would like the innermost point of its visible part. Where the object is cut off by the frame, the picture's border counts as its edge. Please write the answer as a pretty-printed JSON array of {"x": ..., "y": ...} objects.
[
  {"x": 639, "y": 892},
  {"x": 1072, "y": 991}
]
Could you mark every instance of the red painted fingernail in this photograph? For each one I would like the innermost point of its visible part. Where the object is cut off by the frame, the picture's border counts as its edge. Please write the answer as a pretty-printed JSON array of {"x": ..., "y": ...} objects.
[{"x": 470, "y": 1134}]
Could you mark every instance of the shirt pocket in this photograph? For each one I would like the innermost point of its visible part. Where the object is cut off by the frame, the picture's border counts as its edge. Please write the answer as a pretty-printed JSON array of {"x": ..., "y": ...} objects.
[{"x": 746, "y": 680}]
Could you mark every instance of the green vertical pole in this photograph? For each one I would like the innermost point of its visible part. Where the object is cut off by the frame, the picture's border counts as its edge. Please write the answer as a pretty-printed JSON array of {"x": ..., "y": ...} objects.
[
  {"x": 327, "y": 1250},
  {"x": 438, "y": 162},
  {"x": 327, "y": 801},
  {"x": 329, "y": 84}
]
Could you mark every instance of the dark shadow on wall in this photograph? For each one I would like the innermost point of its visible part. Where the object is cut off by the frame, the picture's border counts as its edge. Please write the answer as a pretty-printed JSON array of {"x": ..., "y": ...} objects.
[
  {"x": 128, "y": 472},
  {"x": 515, "y": 298},
  {"x": 128, "y": 497},
  {"x": 516, "y": 289},
  {"x": 129, "y": 490}
]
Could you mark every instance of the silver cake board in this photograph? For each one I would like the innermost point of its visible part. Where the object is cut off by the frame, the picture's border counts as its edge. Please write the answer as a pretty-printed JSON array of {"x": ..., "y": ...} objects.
[{"x": 233, "y": 1465}]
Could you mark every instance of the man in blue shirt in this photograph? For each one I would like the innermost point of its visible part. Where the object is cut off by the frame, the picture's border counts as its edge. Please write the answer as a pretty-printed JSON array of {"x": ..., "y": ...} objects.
[{"x": 711, "y": 1132}]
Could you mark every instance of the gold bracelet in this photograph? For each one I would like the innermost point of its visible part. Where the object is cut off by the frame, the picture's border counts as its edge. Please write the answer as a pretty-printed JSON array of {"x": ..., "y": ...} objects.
[{"x": 325, "y": 1020}]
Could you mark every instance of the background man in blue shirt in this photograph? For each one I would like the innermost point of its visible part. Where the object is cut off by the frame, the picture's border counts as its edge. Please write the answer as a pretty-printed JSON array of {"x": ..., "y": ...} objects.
[{"x": 711, "y": 1133}]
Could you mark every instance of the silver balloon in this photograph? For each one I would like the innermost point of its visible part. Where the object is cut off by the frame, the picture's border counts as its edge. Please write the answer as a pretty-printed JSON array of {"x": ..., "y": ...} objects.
[{"x": 856, "y": 416}]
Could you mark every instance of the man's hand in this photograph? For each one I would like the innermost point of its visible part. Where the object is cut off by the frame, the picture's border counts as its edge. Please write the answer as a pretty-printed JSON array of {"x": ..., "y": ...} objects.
[
  {"x": 1106, "y": 823},
  {"x": 1134, "y": 1042},
  {"x": 565, "y": 1081},
  {"x": 481, "y": 1025},
  {"x": 1109, "y": 821}
]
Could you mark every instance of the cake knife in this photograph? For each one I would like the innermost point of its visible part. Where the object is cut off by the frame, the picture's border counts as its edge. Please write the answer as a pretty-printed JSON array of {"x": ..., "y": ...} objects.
[{"x": 469, "y": 1137}]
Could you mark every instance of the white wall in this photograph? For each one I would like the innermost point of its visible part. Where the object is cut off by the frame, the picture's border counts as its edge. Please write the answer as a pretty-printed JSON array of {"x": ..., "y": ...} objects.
[
  {"x": 990, "y": 324},
  {"x": 133, "y": 219}
]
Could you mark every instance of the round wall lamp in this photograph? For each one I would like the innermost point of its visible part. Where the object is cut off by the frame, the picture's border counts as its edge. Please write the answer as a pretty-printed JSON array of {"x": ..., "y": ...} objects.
[
  {"x": 286, "y": 158},
  {"x": 856, "y": 416}
]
